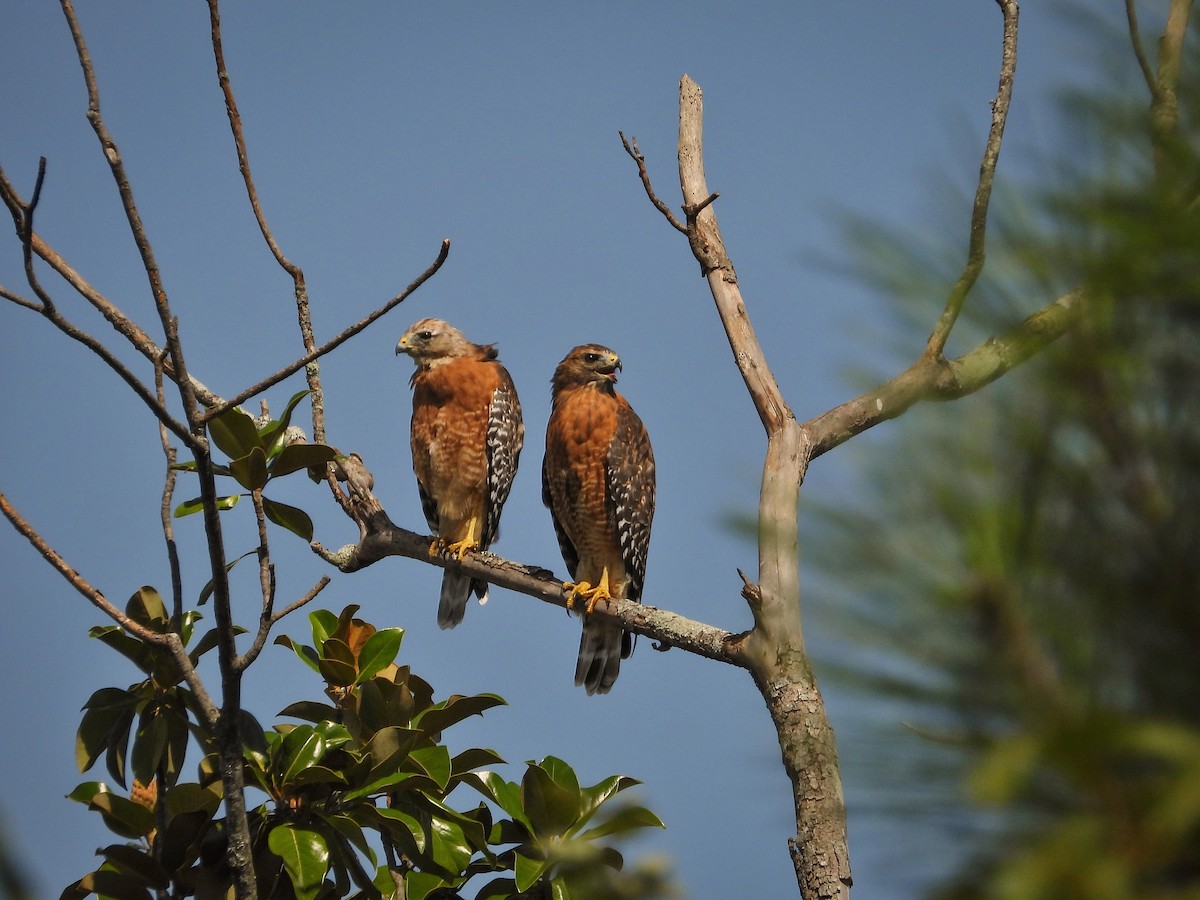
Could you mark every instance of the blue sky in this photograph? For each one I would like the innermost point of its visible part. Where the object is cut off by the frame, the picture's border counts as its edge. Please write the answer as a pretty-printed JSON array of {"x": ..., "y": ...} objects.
[{"x": 375, "y": 131}]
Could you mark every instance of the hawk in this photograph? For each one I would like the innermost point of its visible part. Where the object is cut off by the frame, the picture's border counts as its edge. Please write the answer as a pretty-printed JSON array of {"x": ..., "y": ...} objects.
[
  {"x": 598, "y": 481},
  {"x": 467, "y": 435}
]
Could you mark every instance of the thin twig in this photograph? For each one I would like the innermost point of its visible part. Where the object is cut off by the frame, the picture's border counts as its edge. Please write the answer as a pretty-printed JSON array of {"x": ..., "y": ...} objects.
[
  {"x": 1135, "y": 37},
  {"x": 631, "y": 148},
  {"x": 113, "y": 155},
  {"x": 332, "y": 344},
  {"x": 983, "y": 191},
  {"x": 266, "y": 622},
  {"x": 168, "y": 493}
]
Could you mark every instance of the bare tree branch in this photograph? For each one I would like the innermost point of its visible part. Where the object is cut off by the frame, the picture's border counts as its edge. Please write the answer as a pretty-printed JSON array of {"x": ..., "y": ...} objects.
[
  {"x": 168, "y": 493},
  {"x": 983, "y": 190},
  {"x": 1135, "y": 37},
  {"x": 635, "y": 154},
  {"x": 939, "y": 379}
]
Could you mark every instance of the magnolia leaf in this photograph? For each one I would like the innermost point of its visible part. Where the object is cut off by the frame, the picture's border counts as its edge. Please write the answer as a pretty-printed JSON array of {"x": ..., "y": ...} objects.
[
  {"x": 250, "y": 471},
  {"x": 196, "y": 504},
  {"x": 273, "y": 432},
  {"x": 305, "y": 856},
  {"x": 295, "y": 457},
  {"x": 235, "y": 433},
  {"x": 292, "y": 518},
  {"x": 378, "y": 653}
]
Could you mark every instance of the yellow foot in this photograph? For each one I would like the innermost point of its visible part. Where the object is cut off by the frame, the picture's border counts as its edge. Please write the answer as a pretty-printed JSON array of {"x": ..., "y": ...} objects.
[
  {"x": 436, "y": 547},
  {"x": 592, "y": 595},
  {"x": 459, "y": 548}
]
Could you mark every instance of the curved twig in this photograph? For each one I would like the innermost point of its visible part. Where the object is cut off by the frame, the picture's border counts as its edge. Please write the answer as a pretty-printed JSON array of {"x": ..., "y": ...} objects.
[{"x": 983, "y": 190}]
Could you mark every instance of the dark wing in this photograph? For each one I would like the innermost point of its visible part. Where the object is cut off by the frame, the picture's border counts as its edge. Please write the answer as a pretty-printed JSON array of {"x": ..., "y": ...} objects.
[
  {"x": 631, "y": 493},
  {"x": 505, "y": 438},
  {"x": 557, "y": 479}
]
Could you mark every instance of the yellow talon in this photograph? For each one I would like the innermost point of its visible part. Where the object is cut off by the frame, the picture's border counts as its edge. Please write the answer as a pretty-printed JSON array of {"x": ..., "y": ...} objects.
[
  {"x": 592, "y": 594},
  {"x": 436, "y": 546},
  {"x": 459, "y": 548}
]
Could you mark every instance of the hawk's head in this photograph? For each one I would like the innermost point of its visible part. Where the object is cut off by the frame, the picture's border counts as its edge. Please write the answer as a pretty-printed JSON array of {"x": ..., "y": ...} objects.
[
  {"x": 431, "y": 341},
  {"x": 587, "y": 364}
]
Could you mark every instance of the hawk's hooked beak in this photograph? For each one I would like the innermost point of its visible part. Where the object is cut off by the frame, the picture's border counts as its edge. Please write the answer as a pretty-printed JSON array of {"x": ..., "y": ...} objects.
[
  {"x": 402, "y": 346},
  {"x": 610, "y": 370}
]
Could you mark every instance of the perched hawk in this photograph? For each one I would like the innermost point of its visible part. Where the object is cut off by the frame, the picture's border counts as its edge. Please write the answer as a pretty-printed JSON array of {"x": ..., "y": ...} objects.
[
  {"x": 598, "y": 481},
  {"x": 467, "y": 435}
]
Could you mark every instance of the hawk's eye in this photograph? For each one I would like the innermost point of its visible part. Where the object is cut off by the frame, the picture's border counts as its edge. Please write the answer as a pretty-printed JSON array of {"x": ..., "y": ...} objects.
[
  {"x": 591, "y": 357},
  {"x": 424, "y": 335}
]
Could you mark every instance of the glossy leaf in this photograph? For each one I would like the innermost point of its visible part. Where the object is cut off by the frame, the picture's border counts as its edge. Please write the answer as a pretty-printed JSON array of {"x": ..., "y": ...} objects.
[
  {"x": 551, "y": 808},
  {"x": 196, "y": 504},
  {"x": 123, "y": 816},
  {"x": 307, "y": 654},
  {"x": 133, "y": 861},
  {"x": 591, "y": 798},
  {"x": 309, "y": 710},
  {"x": 305, "y": 856},
  {"x": 137, "y": 652},
  {"x": 411, "y": 830},
  {"x": 419, "y": 885},
  {"x": 528, "y": 870},
  {"x": 292, "y": 518},
  {"x": 114, "y": 885},
  {"x": 435, "y": 762},
  {"x": 388, "y": 748},
  {"x": 191, "y": 797},
  {"x": 448, "y": 845},
  {"x": 274, "y": 430},
  {"x": 324, "y": 623},
  {"x": 146, "y": 607},
  {"x": 626, "y": 819},
  {"x": 295, "y": 457},
  {"x": 251, "y": 470},
  {"x": 474, "y": 758},
  {"x": 104, "y": 709},
  {"x": 378, "y": 653},
  {"x": 301, "y": 747},
  {"x": 503, "y": 793},
  {"x": 149, "y": 745},
  {"x": 337, "y": 663},
  {"x": 454, "y": 709},
  {"x": 235, "y": 433}
]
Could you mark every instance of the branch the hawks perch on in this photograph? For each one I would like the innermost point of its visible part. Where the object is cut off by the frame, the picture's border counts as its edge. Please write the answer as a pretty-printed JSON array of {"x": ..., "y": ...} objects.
[
  {"x": 598, "y": 481},
  {"x": 467, "y": 435}
]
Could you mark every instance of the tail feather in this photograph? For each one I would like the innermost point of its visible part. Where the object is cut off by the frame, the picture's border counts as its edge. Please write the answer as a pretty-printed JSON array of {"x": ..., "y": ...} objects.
[
  {"x": 457, "y": 588},
  {"x": 601, "y": 648}
]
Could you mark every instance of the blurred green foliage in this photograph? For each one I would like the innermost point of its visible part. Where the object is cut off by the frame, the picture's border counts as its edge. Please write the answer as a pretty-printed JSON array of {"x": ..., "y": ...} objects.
[{"x": 1024, "y": 576}]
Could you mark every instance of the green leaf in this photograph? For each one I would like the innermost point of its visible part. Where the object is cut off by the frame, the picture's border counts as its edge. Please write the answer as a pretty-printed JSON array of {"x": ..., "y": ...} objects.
[
  {"x": 454, "y": 709},
  {"x": 388, "y": 748},
  {"x": 250, "y": 471},
  {"x": 146, "y": 607},
  {"x": 305, "y": 856},
  {"x": 309, "y": 710},
  {"x": 378, "y": 653},
  {"x": 86, "y": 791},
  {"x": 196, "y": 504},
  {"x": 105, "y": 708},
  {"x": 295, "y": 457},
  {"x": 112, "y": 885},
  {"x": 324, "y": 623},
  {"x": 474, "y": 758},
  {"x": 419, "y": 885},
  {"x": 629, "y": 818},
  {"x": 149, "y": 744},
  {"x": 292, "y": 518},
  {"x": 597, "y": 794},
  {"x": 435, "y": 762},
  {"x": 390, "y": 783},
  {"x": 301, "y": 747},
  {"x": 123, "y": 816},
  {"x": 140, "y": 654},
  {"x": 308, "y": 655},
  {"x": 448, "y": 845},
  {"x": 528, "y": 871},
  {"x": 551, "y": 808},
  {"x": 235, "y": 433},
  {"x": 504, "y": 794},
  {"x": 337, "y": 663},
  {"x": 191, "y": 797},
  {"x": 274, "y": 430},
  {"x": 405, "y": 827},
  {"x": 132, "y": 861}
]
